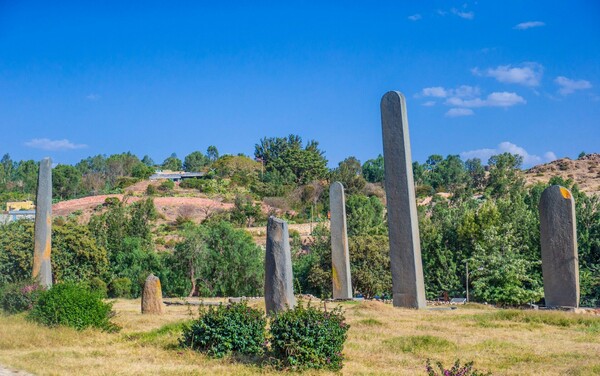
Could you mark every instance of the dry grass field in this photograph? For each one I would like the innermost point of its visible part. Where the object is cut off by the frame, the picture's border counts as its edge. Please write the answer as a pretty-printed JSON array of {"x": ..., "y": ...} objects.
[{"x": 382, "y": 341}]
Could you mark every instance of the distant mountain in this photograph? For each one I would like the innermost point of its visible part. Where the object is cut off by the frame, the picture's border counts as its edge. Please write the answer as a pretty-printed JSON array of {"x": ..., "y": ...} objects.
[{"x": 585, "y": 171}]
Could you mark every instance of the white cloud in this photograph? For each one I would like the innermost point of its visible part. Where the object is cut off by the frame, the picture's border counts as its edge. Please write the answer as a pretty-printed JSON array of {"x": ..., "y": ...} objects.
[
  {"x": 508, "y": 147},
  {"x": 437, "y": 92},
  {"x": 415, "y": 17},
  {"x": 92, "y": 97},
  {"x": 429, "y": 103},
  {"x": 496, "y": 99},
  {"x": 528, "y": 25},
  {"x": 53, "y": 145},
  {"x": 463, "y": 91},
  {"x": 568, "y": 86},
  {"x": 527, "y": 74},
  {"x": 461, "y": 14},
  {"x": 550, "y": 156},
  {"x": 456, "y": 112}
]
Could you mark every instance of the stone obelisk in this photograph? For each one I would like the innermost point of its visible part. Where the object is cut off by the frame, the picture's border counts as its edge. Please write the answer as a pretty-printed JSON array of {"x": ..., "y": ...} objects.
[
  {"x": 340, "y": 256},
  {"x": 42, "y": 268},
  {"x": 279, "y": 288},
  {"x": 408, "y": 288},
  {"x": 558, "y": 236}
]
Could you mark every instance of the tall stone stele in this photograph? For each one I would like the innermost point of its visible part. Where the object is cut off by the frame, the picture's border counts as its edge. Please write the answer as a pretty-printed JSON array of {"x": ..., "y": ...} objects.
[
  {"x": 152, "y": 296},
  {"x": 42, "y": 268},
  {"x": 340, "y": 256},
  {"x": 558, "y": 235},
  {"x": 279, "y": 289},
  {"x": 408, "y": 288}
]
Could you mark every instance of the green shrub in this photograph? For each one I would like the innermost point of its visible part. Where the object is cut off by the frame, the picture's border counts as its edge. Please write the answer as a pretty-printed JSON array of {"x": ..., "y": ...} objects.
[
  {"x": 19, "y": 297},
  {"x": 456, "y": 370},
  {"x": 120, "y": 288},
  {"x": 225, "y": 329},
  {"x": 166, "y": 185},
  {"x": 99, "y": 286},
  {"x": 192, "y": 183},
  {"x": 307, "y": 337},
  {"x": 112, "y": 201},
  {"x": 72, "y": 305},
  {"x": 151, "y": 190}
]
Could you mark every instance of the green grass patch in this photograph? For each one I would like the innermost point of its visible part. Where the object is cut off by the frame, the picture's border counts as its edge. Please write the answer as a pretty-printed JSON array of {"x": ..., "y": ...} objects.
[
  {"x": 535, "y": 319},
  {"x": 419, "y": 344},
  {"x": 165, "y": 335},
  {"x": 496, "y": 346},
  {"x": 369, "y": 322}
]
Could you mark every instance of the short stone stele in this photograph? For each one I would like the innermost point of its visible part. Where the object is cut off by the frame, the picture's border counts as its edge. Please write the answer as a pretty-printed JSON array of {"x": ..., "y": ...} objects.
[
  {"x": 558, "y": 235},
  {"x": 279, "y": 289},
  {"x": 152, "y": 296}
]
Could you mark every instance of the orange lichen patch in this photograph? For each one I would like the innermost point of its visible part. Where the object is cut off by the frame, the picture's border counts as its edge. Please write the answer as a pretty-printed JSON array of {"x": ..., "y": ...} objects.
[
  {"x": 47, "y": 250},
  {"x": 565, "y": 192},
  {"x": 336, "y": 278},
  {"x": 37, "y": 266}
]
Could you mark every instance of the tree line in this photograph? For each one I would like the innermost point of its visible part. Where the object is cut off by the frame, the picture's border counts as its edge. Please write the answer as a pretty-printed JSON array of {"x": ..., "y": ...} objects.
[{"x": 479, "y": 224}]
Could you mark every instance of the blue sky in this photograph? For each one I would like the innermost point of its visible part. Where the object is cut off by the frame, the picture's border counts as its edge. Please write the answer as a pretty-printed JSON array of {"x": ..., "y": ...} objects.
[{"x": 156, "y": 78}]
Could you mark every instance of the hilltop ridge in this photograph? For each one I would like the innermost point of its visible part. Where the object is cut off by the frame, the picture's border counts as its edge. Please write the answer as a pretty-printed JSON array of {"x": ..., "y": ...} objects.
[{"x": 585, "y": 171}]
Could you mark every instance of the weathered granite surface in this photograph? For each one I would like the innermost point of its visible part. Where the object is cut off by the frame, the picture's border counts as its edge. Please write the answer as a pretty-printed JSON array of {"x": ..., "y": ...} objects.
[
  {"x": 408, "y": 287},
  {"x": 42, "y": 268},
  {"x": 558, "y": 236},
  {"x": 279, "y": 290},
  {"x": 152, "y": 302},
  {"x": 340, "y": 256}
]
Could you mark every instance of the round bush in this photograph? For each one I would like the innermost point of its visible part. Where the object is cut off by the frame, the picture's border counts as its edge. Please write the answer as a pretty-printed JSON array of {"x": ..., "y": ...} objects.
[
  {"x": 99, "y": 286},
  {"x": 19, "y": 297},
  {"x": 120, "y": 288},
  {"x": 307, "y": 337},
  {"x": 72, "y": 305},
  {"x": 225, "y": 329}
]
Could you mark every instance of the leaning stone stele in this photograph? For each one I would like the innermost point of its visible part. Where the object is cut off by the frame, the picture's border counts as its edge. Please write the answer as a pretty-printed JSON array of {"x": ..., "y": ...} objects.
[
  {"x": 558, "y": 237},
  {"x": 340, "y": 256},
  {"x": 279, "y": 290},
  {"x": 42, "y": 268},
  {"x": 152, "y": 302},
  {"x": 408, "y": 287}
]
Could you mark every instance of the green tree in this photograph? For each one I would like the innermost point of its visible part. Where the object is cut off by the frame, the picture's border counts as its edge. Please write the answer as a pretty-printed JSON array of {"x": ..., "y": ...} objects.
[
  {"x": 212, "y": 153},
  {"x": 66, "y": 181},
  {"x": 142, "y": 171},
  {"x": 242, "y": 170},
  {"x": 172, "y": 163},
  {"x": 76, "y": 255},
  {"x": 504, "y": 177},
  {"x": 190, "y": 253},
  {"x": 287, "y": 156},
  {"x": 224, "y": 260},
  {"x": 195, "y": 161},
  {"x": 349, "y": 173},
  {"x": 148, "y": 161},
  {"x": 8, "y": 167},
  {"x": 373, "y": 170},
  {"x": 477, "y": 173},
  {"x": 364, "y": 215},
  {"x": 26, "y": 175}
]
